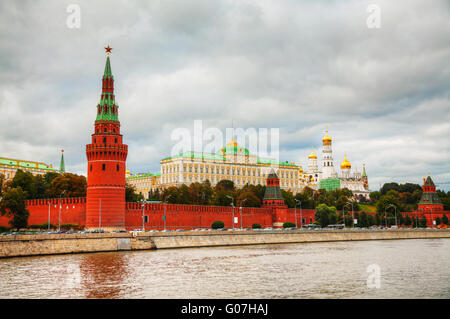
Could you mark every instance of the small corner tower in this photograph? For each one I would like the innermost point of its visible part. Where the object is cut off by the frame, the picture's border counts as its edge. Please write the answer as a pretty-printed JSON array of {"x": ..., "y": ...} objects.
[
  {"x": 62, "y": 166},
  {"x": 106, "y": 155},
  {"x": 365, "y": 179},
  {"x": 273, "y": 196},
  {"x": 430, "y": 201}
]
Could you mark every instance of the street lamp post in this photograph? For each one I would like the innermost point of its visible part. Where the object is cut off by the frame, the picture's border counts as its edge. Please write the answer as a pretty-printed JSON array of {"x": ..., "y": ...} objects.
[
  {"x": 395, "y": 207},
  {"x": 100, "y": 216},
  {"x": 232, "y": 205},
  {"x": 48, "y": 226},
  {"x": 143, "y": 214},
  {"x": 165, "y": 211},
  {"x": 59, "y": 222},
  {"x": 353, "y": 214},
  {"x": 301, "y": 216},
  {"x": 243, "y": 201}
]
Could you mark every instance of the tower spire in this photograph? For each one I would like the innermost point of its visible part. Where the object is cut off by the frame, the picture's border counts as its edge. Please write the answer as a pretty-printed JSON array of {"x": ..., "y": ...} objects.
[
  {"x": 107, "y": 109},
  {"x": 62, "y": 167}
]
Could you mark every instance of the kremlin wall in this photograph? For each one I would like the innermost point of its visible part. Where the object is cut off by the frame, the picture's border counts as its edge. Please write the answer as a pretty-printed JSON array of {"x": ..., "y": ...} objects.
[{"x": 105, "y": 207}]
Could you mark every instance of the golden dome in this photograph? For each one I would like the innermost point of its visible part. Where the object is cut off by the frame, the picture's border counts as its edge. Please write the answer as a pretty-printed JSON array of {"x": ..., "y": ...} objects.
[
  {"x": 232, "y": 143},
  {"x": 312, "y": 155},
  {"x": 326, "y": 138},
  {"x": 300, "y": 169},
  {"x": 346, "y": 164}
]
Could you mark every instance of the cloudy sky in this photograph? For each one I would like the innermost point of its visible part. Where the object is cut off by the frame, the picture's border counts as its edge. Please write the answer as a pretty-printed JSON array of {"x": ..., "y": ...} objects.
[{"x": 299, "y": 66}]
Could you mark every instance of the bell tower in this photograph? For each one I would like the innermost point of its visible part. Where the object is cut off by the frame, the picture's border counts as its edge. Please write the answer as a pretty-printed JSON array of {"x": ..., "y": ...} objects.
[{"x": 106, "y": 155}]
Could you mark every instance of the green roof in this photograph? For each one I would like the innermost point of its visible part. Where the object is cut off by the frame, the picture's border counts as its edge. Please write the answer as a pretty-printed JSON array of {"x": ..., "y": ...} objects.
[
  {"x": 25, "y": 164},
  {"x": 229, "y": 149},
  {"x": 218, "y": 157},
  {"x": 141, "y": 175},
  {"x": 330, "y": 184},
  {"x": 196, "y": 155}
]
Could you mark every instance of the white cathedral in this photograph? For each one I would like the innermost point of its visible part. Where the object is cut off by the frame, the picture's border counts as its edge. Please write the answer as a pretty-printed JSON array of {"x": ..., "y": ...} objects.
[{"x": 328, "y": 178}]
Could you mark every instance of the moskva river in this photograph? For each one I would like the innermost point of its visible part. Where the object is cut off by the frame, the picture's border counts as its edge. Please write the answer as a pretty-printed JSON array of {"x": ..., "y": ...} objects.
[{"x": 415, "y": 268}]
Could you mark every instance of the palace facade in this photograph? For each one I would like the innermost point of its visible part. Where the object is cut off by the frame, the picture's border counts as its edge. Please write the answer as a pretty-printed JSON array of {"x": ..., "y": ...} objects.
[
  {"x": 233, "y": 162},
  {"x": 9, "y": 167}
]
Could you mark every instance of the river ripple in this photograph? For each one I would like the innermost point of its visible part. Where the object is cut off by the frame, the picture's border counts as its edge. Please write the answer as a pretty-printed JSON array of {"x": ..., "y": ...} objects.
[{"x": 417, "y": 268}]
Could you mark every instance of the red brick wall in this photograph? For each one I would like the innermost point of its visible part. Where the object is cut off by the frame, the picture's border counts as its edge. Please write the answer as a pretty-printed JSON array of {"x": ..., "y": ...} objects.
[
  {"x": 192, "y": 216},
  {"x": 73, "y": 211}
]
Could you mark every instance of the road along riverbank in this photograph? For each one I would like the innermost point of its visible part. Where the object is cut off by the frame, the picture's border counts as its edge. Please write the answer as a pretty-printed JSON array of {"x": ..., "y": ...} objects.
[{"x": 51, "y": 244}]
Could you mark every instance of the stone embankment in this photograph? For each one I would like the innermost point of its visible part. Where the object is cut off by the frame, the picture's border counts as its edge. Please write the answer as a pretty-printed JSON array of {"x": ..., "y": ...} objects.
[{"x": 34, "y": 245}]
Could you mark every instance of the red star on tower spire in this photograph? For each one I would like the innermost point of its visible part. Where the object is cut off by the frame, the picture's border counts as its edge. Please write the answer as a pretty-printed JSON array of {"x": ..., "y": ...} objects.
[{"x": 108, "y": 50}]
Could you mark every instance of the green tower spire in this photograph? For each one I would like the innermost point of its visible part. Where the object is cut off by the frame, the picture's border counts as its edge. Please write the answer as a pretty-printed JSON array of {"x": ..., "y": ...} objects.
[
  {"x": 107, "y": 109},
  {"x": 62, "y": 167}
]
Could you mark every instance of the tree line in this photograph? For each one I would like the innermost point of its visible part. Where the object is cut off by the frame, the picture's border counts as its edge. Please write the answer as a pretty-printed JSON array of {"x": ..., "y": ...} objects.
[{"x": 25, "y": 186}]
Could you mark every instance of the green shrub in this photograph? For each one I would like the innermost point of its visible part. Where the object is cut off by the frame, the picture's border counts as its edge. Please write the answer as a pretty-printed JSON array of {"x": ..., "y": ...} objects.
[
  {"x": 218, "y": 224},
  {"x": 42, "y": 226},
  {"x": 4, "y": 229},
  {"x": 70, "y": 226},
  {"x": 288, "y": 225},
  {"x": 256, "y": 226}
]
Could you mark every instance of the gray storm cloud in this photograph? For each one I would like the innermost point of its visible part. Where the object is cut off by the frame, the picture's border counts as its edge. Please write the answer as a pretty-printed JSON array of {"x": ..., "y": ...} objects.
[{"x": 298, "y": 66}]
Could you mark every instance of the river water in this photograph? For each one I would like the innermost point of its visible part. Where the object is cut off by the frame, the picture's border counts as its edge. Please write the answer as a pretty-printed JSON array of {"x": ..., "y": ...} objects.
[{"x": 416, "y": 268}]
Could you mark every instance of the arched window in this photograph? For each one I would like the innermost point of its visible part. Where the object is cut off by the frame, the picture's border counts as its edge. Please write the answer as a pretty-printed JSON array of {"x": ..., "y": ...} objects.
[
  {"x": 103, "y": 166},
  {"x": 117, "y": 167}
]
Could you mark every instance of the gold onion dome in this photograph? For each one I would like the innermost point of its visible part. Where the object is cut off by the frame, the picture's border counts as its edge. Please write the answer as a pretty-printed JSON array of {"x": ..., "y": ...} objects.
[
  {"x": 312, "y": 155},
  {"x": 232, "y": 143},
  {"x": 326, "y": 138},
  {"x": 346, "y": 164}
]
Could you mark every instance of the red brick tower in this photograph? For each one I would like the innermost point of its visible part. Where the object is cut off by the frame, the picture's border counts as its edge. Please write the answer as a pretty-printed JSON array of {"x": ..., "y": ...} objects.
[
  {"x": 105, "y": 200},
  {"x": 430, "y": 201},
  {"x": 273, "y": 198}
]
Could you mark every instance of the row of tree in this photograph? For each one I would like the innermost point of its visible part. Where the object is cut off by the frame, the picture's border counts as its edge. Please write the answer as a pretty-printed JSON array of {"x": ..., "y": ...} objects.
[
  {"x": 24, "y": 186},
  {"x": 326, "y": 215}
]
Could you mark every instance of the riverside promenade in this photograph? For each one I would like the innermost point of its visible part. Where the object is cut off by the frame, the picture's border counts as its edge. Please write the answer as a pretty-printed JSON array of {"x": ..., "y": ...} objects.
[{"x": 52, "y": 244}]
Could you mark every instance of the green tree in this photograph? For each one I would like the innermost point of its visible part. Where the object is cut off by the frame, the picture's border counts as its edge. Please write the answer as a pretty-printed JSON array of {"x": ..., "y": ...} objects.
[
  {"x": 248, "y": 199},
  {"x": 130, "y": 194},
  {"x": 68, "y": 185},
  {"x": 407, "y": 221},
  {"x": 26, "y": 181},
  {"x": 306, "y": 197},
  {"x": 363, "y": 220},
  {"x": 445, "y": 219},
  {"x": 13, "y": 205},
  {"x": 325, "y": 215},
  {"x": 438, "y": 221},
  {"x": 288, "y": 198},
  {"x": 423, "y": 222}
]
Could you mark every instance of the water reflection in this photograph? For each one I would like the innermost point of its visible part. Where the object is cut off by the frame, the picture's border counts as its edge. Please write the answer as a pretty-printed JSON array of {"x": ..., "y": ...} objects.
[
  {"x": 409, "y": 269},
  {"x": 106, "y": 270}
]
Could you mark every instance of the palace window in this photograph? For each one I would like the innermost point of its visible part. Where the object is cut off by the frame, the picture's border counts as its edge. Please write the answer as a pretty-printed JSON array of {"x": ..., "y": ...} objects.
[{"x": 103, "y": 166}]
